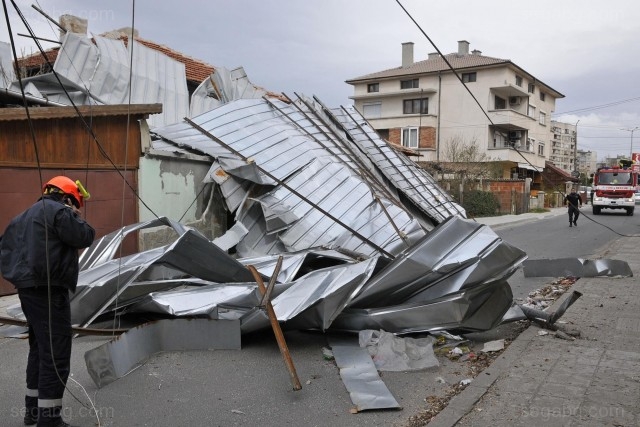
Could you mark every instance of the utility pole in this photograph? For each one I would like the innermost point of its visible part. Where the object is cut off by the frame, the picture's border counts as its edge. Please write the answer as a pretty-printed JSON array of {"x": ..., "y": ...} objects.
[{"x": 631, "y": 145}]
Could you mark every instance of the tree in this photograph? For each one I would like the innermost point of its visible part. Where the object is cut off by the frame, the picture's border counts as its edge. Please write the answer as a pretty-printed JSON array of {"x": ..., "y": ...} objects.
[{"x": 467, "y": 160}]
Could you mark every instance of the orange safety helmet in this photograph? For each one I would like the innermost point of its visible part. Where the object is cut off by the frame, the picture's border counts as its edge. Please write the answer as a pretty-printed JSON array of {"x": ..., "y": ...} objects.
[{"x": 67, "y": 186}]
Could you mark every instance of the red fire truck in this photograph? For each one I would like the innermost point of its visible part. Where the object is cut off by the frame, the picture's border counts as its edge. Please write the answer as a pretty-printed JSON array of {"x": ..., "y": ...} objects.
[{"x": 614, "y": 188}]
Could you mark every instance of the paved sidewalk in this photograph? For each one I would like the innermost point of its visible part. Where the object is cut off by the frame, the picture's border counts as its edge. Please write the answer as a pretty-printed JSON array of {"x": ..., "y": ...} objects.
[{"x": 544, "y": 380}]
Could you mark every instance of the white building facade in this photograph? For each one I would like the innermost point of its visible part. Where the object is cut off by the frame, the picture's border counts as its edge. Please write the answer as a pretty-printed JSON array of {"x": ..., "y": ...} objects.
[{"x": 424, "y": 106}]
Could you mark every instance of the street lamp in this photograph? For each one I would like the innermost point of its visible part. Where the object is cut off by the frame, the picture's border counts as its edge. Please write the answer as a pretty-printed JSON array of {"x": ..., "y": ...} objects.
[{"x": 631, "y": 147}]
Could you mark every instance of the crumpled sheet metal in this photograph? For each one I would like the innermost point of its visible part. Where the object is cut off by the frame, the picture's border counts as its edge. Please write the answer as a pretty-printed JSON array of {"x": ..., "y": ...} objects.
[
  {"x": 119, "y": 282},
  {"x": 260, "y": 131},
  {"x": 199, "y": 301},
  {"x": 102, "y": 71},
  {"x": 221, "y": 87},
  {"x": 427, "y": 270},
  {"x": 119, "y": 356},
  {"x": 317, "y": 298},
  {"x": 104, "y": 249},
  {"x": 360, "y": 376},
  {"x": 576, "y": 267},
  {"x": 407, "y": 177},
  {"x": 480, "y": 308}
]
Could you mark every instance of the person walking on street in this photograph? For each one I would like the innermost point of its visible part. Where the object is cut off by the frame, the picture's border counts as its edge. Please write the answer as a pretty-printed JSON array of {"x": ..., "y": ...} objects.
[
  {"x": 39, "y": 256},
  {"x": 572, "y": 200}
]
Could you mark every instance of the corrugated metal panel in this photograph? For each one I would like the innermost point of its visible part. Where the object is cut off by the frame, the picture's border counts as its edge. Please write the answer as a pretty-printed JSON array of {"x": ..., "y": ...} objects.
[
  {"x": 404, "y": 174},
  {"x": 256, "y": 129},
  {"x": 102, "y": 71},
  {"x": 221, "y": 87}
]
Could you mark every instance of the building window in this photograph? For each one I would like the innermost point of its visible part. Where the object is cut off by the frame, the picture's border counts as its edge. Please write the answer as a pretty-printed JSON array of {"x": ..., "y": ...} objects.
[
  {"x": 410, "y": 137},
  {"x": 468, "y": 77},
  {"x": 540, "y": 148},
  {"x": 373, "y": 87},
  {"x": 531, "y": 88},
  {"x": 542, "y": 96},
  {"x": 409, "y": 84},
  {"x": 415, "y": 106},
  {"x": 501, "y": 103},
  {"x": 518, "y": 81},
  {"x": 531, "y": 112},
  {"x": 543, "y": 118},
  {"x": 372, "y": 110}
]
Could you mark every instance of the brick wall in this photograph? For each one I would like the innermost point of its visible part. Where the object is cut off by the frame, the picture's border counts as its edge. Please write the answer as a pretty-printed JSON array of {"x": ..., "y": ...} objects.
[{"x": 427, "y": 137}]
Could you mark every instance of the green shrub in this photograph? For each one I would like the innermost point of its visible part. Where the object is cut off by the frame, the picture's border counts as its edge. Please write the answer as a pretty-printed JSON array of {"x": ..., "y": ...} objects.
[{"x": 480, "y": 203}]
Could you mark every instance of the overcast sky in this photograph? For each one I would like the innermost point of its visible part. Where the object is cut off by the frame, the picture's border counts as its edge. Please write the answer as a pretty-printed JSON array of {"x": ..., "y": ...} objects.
[{"x": 585, "y": 49}]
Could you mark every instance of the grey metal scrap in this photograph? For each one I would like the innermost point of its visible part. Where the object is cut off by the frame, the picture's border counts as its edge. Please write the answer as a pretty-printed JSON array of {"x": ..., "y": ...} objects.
[
  {"x": 576, "y": 267},
  {"x": 480, "y": 308},
  {"x": 360, "y": 376},
  {"x": 116, "y": 358},
  {"x": 427, "y": 270},
  {"x": 258, "y": 130},
  {"x": 117, "y": 283}
]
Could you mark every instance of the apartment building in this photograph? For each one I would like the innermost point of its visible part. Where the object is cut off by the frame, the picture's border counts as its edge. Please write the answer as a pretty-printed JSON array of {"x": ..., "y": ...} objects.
[
  {"x": 423, "y": 105},
  {"x": 564, "y": 148},
  {"x": 586, "y": 162}
]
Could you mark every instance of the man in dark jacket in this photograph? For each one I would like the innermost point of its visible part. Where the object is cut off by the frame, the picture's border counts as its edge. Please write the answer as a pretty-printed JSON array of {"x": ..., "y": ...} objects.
[
  {"x": 39, "y": 256},
  {"x": 572, "y": 200}
]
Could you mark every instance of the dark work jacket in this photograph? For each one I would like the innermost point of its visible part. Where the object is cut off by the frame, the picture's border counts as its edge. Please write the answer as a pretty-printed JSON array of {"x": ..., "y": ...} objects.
[
  {"x": 23, "y": 257},
  {"x": 573, "y": 200}
]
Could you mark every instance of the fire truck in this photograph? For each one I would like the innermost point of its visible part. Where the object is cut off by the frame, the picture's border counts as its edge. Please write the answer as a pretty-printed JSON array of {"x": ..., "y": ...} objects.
[{"x": 614, "y": 188}]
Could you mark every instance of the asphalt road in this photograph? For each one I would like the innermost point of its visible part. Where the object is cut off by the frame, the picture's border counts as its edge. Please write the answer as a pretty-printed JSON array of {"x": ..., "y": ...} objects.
[
  {"x": 552, "y": 238},
  {"x": 251, "y": 387}
]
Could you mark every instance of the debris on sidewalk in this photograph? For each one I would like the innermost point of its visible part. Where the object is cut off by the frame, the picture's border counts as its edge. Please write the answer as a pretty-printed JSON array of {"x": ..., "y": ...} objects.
[{"x": 492, "y": 346}]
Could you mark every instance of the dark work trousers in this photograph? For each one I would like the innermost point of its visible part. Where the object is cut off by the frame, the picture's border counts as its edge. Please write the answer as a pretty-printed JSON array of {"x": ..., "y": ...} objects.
[
  {"x": 574, "y": 213},
  {"x": 46, "y": 382}
]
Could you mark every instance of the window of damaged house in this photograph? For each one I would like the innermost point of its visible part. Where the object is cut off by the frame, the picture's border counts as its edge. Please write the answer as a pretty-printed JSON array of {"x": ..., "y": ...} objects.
[
  {"x": 415, "y": 106},
  {"x": 531, "y": 88},
  {"x": 542, "y": 96},
  {"x": 410, "y": 137},
  {"x": 500, "y": 103},
  {"x": 540, "y": 148},
  {"x": 469, "y": 77},
  {"x": 409, "y": 84},
  {"x": 531, "y": 112},
  {"x": 543, "y": 118},
  {"x": 373, "y": 87},
  {"x": 372, "y": 110}
]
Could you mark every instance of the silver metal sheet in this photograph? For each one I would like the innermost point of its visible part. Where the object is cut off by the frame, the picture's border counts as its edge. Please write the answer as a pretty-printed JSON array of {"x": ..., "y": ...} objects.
[
  {"x": 317, "y": 298},
  {"x": 407, "y": 177},
  {"x": 116, "y": 283},
  {"x": 221, "y": 87},
  {"x": 576, "y": 267},
  {"x": 477, "y": 309},
  {"x": 116, "y": 358},
  {"x": 360, "y": 376},
  {"x": 258, "y": 130},
  {"x": 199, "y": 301},
  {"x": 420, "y": 271}
]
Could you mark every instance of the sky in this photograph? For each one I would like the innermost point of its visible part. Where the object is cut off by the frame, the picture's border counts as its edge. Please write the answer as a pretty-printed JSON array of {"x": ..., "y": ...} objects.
[{"x": 587, "y": 50}]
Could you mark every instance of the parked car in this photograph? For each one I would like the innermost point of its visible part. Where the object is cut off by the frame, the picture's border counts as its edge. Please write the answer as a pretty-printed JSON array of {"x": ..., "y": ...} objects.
[{"x": 637, "y": 196}]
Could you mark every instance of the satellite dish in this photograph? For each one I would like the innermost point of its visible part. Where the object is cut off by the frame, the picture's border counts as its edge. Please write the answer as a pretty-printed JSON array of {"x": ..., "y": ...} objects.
[{"x": 575, "y": 174}]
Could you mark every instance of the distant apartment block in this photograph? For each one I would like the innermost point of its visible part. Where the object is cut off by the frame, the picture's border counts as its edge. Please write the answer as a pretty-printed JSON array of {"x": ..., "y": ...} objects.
[
  {"x": 586, "y": 162},
  {"x": 564, "y": 147}
]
